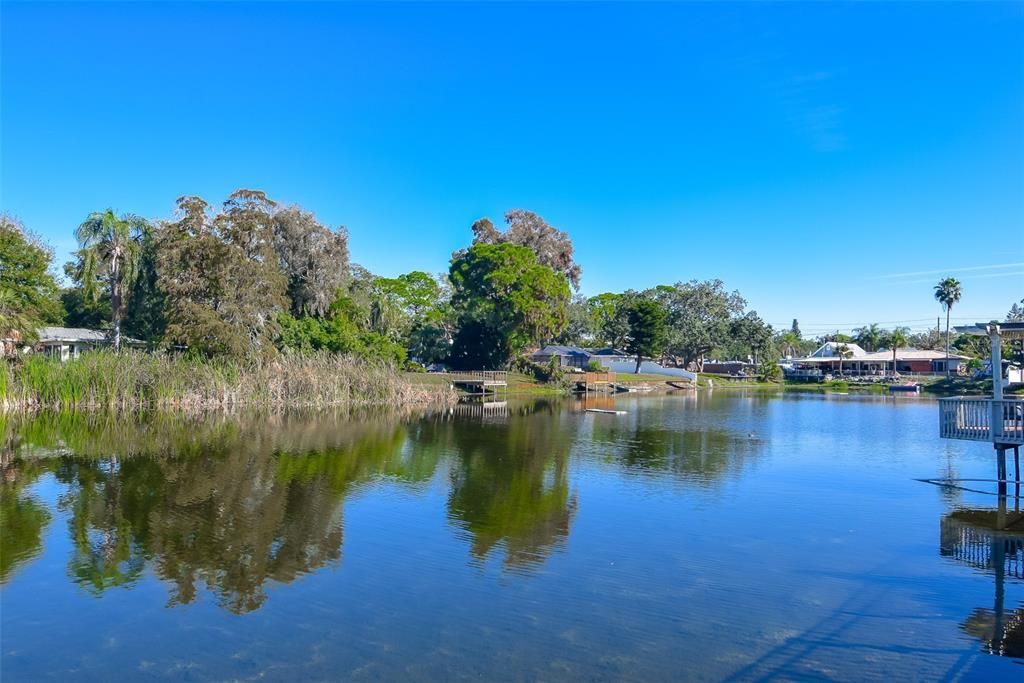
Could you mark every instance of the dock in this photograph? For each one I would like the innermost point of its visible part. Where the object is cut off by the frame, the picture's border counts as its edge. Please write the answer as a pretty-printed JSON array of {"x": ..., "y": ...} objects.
[
  {"x": 997, "y": 420},
  {"x": 479, "y": 381},
  {"x": 595, "y": 381}
]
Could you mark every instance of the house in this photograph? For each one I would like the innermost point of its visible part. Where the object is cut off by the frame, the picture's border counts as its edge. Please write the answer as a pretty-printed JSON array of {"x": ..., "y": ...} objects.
[
  {"x": 568, "y": 356},
  {"x": 71, "y": 342},
  {"x": 857, "y": 361}
]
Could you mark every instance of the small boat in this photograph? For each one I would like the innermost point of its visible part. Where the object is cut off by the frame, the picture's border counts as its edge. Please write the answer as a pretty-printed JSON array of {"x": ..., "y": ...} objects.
[
  {"x": 905, "y": 388},
  {"x": 606, "y": 412}
]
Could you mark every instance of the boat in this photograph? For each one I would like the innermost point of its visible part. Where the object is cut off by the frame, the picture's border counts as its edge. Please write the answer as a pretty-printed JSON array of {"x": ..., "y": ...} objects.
[
  {"x": 606, "y": 412},
  {"x": 905, "y": 388}
]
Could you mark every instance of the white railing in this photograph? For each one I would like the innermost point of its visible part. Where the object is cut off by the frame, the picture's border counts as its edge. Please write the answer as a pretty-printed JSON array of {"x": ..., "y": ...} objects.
[{"x": 982, "y": 419}]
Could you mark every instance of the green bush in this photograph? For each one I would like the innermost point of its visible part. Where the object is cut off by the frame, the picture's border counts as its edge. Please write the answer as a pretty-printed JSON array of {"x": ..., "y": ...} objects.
[{"x": 769, "y": 372}]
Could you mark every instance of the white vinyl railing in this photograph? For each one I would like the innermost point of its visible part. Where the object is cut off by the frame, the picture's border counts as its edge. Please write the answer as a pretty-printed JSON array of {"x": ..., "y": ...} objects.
[{"x": 982, "y": 419}]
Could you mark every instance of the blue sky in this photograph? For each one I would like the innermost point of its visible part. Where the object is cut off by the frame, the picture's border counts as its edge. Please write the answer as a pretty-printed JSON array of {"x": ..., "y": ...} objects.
[{"x": 830, "y": 161}]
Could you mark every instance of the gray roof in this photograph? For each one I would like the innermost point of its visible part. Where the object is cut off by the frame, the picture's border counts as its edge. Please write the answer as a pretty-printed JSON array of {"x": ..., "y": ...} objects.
[
  {"x": 71, "y": 334},
  {"x": 79, "y": 334},
  {"x": 557, "y": 350},
  {"x": 609, "y": 351}
]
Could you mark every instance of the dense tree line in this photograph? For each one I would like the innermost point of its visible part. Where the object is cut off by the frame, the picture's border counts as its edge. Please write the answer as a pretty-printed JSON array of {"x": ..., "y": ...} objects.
[{"x": 252, "y": 278}]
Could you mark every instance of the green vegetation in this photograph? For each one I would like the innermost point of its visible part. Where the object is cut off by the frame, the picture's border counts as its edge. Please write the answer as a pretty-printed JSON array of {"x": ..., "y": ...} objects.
[
  {"x": 251, "y": 283},
  {"x": 505, "y": 300},
  {"x": 28, "y": 292},
  {"x": 646, "y": 329},
  {"x": 110, "y": 253},
  {"x": 134, "y": 380},
  {"x": 947, "y": 293}
]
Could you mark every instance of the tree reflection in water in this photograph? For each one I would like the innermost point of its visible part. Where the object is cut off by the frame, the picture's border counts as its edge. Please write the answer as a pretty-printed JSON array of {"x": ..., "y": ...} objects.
[
  {"x": 22, "y": 518},
  {"x": 510, "y": 484},
  {"x": 230, "y": 504}
]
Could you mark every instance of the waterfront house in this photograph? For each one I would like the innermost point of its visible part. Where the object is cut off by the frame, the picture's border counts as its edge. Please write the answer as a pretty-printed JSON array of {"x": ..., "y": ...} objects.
[
  {"x": 857, "y": 361},
  {"x": 71, "y": 342}
]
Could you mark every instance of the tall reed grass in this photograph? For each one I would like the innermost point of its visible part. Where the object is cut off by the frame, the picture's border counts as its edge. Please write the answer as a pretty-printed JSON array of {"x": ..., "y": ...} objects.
[{"x": 134, "y": 380}]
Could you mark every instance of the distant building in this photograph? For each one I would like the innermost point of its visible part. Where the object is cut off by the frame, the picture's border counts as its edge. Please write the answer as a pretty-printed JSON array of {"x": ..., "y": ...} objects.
[
  {"x": 577, "y": 357},
  {"x": 71, "y": 342},
  {"x": 568, "y": 356},
  {"x": 857, "y": 361}
]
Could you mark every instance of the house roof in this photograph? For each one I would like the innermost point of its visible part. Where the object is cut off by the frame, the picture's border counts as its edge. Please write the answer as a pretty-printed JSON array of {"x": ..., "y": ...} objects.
[
  {"x": 828, "y": 350},
  {"x": 71, "y": 334},
  {"x": 608, "y": 351},
  {"x": 79, "y": 334},
  {"x": 558, "y": 350}
]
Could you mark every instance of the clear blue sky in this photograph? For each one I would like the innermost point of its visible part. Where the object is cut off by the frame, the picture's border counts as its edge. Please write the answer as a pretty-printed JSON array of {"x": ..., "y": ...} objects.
[{"x": 831, "y": 161}]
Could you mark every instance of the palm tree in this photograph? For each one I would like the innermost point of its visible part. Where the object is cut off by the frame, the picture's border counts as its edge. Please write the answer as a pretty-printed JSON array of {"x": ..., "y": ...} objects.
[
  {"x": 110, "y": 247},
  {"x": 843, "y": 351},
  {"x": 869, "y": 337},
  {"x": 947, "y": 293},
  {"x": 790, "y": 343},
  {"x": 896, "y": 339}
]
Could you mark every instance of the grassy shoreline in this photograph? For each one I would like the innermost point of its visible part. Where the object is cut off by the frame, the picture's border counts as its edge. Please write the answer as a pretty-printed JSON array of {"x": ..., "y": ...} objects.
[
  {"x": 136, "y": 380},
  {"x": 524, "y": 385}
]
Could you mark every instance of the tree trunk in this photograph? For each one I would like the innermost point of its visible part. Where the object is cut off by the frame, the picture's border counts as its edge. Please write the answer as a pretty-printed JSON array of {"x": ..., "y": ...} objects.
[
  {"x": 947, "y": 341},
  {"x": 639, "y": 359},
  {"x": 115, "y": 306}
]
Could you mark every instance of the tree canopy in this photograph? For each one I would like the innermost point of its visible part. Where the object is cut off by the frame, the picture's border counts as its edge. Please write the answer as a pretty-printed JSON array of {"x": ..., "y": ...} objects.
[
  {"x": 551, "y": 245},
  {"x": 646, "y": 329},
  {"x": 505, "y": 301},
  {"x": 699, "y": 316},
  {"x": 29, "y": 296}
]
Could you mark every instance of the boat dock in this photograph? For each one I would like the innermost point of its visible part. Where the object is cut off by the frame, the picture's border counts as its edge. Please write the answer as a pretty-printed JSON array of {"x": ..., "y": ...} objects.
[
  {"x": 997, "y": 420},
  {"x": 595, "y": 381},
  {"x": 480, "y": 381}
]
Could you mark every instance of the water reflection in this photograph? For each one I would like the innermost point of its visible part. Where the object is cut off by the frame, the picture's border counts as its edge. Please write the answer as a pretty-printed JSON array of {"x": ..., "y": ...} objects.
[
  {"x": 230, "y": 503},
  {"x": 22, "y": 517},
  {"x": 510, "y": 483},
  {"x": 990, "y": 541}
]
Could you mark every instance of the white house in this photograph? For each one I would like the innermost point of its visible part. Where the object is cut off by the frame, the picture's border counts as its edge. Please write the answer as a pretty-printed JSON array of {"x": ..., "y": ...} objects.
[{"x": 71, "y": 342}]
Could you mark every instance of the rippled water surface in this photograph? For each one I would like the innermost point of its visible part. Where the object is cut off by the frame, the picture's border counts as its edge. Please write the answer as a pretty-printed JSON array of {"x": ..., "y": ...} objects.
[{"x": 723, "y": 536}]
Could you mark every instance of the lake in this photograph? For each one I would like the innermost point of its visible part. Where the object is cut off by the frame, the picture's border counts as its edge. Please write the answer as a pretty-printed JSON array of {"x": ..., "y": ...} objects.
[{"x": 717, "y": 536}]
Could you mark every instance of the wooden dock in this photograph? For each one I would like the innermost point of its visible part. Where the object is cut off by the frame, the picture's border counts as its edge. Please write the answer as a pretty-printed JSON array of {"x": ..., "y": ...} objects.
[
  {"x": 479, "y": 381},
  {"x": 595, "y": 381}
]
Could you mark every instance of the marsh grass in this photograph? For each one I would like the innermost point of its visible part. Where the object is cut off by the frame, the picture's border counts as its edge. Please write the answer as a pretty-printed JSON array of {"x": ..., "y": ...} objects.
[{"x": 137, "y": 380}]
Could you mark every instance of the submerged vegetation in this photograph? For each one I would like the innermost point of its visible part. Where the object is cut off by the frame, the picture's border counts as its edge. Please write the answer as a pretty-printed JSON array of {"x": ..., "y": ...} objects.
[{"x": 133, "y": 380}]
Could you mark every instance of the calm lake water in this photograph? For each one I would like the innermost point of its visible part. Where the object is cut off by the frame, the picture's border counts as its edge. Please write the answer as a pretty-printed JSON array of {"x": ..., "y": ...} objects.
[{"x": 723, "y": 536}]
